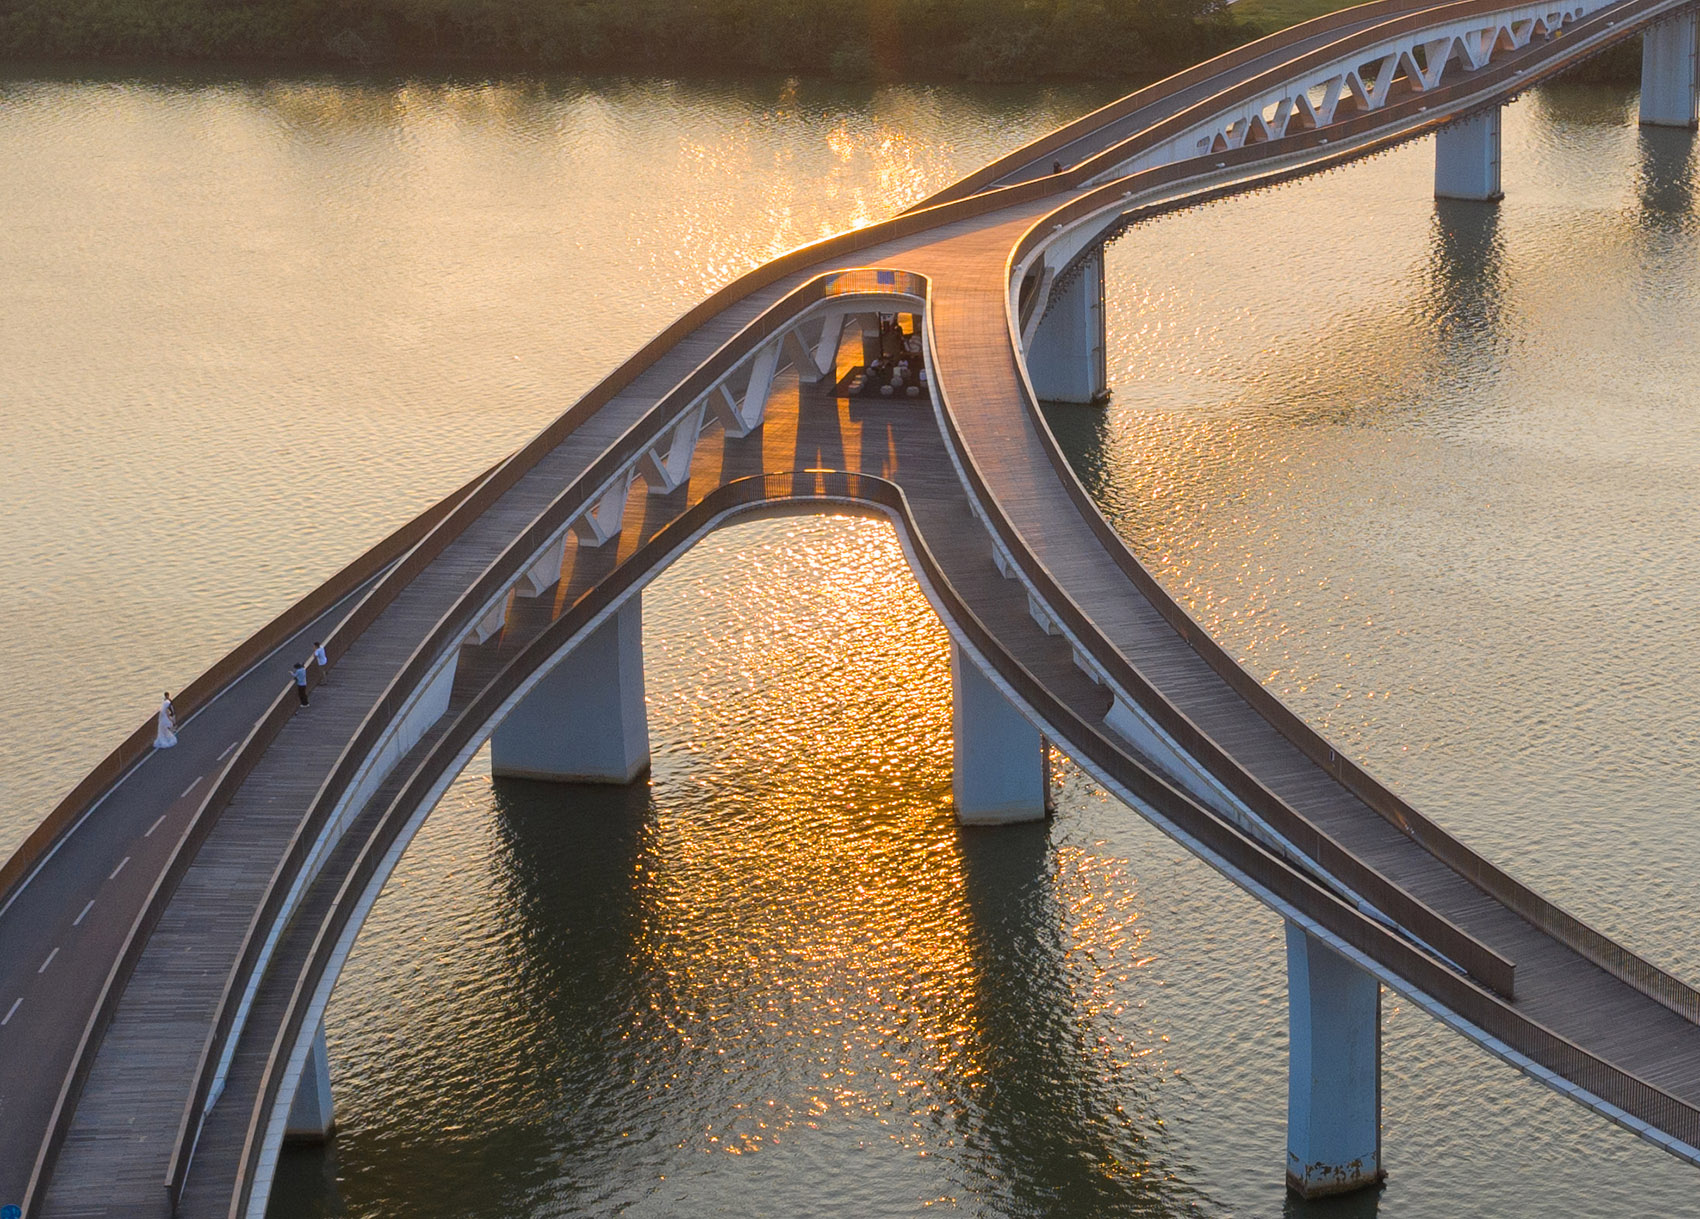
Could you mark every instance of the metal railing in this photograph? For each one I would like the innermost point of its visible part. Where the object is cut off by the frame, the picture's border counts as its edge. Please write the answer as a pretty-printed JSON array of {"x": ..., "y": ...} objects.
[
  {"x": 501, "y": 574},
  {"x": 1419, "y": 114},
  {"x": 210, "y": 684}
]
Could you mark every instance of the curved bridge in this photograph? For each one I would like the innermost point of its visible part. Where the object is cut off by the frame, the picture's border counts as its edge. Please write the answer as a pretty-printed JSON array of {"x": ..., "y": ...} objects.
[{"x": 174, "y": 929}]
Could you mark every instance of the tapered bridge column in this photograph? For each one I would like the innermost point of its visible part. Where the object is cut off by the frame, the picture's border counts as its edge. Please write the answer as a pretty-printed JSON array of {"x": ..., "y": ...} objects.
[
  {"x": 1333, "y": 1070},
  {"x": 999, "y": 759},
  {"x": 311, "y": 1118},
  {"x": 1066, "y": 356},
  {"x": 585, "y": 721},
  {"x": 1668, "y": 72},
  {"x": 1466, "y": 158}
]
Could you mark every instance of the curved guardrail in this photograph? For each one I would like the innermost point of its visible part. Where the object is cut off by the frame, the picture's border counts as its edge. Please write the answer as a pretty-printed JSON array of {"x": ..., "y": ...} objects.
[
  {"x": 1047, "y": 146},
  {"x": 210, "y": 684},
  {"x": 1490, "y": 968},
  {"x": 1594, "y": 946},
  {"x": 1090, "y": 744},
  {"x": 454, "y": 627},
  {"x": 1085, "y": 741},
  {"x": 205, "y": 688}
]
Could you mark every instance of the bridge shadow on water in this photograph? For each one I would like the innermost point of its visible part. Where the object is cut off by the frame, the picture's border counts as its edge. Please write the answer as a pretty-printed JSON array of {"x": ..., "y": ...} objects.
[
  {"x": 1063, "y": 1129},
  {"x": 1665, "y": 179},
  {"x": 985, "y": 1078}
]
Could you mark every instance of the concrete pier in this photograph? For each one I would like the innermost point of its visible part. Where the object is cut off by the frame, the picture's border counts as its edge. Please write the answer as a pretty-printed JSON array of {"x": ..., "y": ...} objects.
[
  {"x": 311, "y": 1118},
  {"x": 1466, "y": 158},
  {"x": 1668, "y": 72},
  {"x": 1333, "y": 1070},
  {"x": 1066, "y": 356},
  {"x": 999, "y": 774},
  {"x": 585, "y": 722}
]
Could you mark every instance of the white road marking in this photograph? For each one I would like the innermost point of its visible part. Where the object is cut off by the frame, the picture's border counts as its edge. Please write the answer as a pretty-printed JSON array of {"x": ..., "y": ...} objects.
[
  {"x": 226, "y": 752},
  {"x": 12, "y": 1011},
  {"x": 49, "y": 960},
  {"x": 154, "y": 827},
  {"x": 79, "y": 919},
  {"x": 191, "y": 786},
  {"x": 119, "y": 868}
]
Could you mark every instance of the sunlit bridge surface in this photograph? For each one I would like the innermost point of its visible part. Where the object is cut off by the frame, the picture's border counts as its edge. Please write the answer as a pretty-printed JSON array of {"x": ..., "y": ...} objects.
[
  {"x": 782, "y": 972},
  {"x": 785, "y": 951}
]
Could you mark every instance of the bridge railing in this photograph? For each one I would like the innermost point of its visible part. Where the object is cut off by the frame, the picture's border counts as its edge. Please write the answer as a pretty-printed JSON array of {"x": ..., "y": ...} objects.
[
  {"x": 1086, "y": 741},
  {"x": 1469, "y": 998},
  {"x": 1047, "y": 146},
  {"x": 203, "y": 689},
  {"x": 200, "y": 692},
  {"x": 454, "y": 627},
  {"x": 1439, "y": 933},
  {"x": 1620, "y": 962},
  {"x": 466, "y": 731},
  {"x": 1509, "y": 72}
]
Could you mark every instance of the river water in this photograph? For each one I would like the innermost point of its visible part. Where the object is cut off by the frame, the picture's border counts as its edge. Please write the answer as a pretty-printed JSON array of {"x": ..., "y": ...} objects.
[{"x": 1428, "y": 469}]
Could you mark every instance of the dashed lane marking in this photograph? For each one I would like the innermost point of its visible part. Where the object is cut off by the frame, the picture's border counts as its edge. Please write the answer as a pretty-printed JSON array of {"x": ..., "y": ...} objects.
[
  {"x": 49, "y": 960},
  {"x": 226, "y": 752},
  {"x": 154, "y": 826},
  {"x": 191, "y": 786},
  {"x": 119, "y": 868},
  {"x": 12, "y": 1011},
  {"x": 78, "y": 921}
]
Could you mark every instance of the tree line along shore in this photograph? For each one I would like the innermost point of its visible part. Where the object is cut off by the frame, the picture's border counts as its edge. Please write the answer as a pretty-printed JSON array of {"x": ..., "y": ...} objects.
[
  {"x": 1131, "y": 41},
  {"x": 977, "y": 40}
]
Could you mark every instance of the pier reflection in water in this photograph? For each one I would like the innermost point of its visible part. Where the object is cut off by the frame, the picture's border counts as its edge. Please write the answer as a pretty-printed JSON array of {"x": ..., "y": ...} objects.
[
  {"x": 780, "y": 980},
  {"x": 1489, "y": 593}
]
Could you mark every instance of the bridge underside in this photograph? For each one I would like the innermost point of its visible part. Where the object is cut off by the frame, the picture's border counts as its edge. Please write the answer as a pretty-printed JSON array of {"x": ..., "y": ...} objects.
[{"x": 1057, "y": 632}]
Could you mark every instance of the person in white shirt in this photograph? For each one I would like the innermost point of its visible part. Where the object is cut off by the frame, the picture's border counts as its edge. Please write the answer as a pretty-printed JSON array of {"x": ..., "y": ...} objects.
[
  {"x": 165, "y": 729},
  {"x": 320, "y": 659}
]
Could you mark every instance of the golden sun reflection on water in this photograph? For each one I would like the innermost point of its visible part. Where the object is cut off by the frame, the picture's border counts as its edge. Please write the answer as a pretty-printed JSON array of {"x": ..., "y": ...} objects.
[
  {"x": 803, "y": 898},
  {"x": 782, "y": 952}
]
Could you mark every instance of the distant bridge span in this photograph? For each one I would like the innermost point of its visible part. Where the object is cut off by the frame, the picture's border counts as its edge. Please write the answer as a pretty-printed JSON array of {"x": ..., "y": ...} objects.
[{"x": 195, "y": 933}]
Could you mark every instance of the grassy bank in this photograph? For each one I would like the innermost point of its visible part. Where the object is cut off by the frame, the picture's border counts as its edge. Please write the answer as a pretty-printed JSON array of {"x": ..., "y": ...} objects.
[
  {"x": 1128, "y": 41},
  {"x": 982, "y": 40}
]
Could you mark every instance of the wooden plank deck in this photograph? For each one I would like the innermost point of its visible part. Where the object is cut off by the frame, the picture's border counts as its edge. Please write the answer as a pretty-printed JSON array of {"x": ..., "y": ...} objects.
[
  {"x": 1555, "y": 985},
  {"x": 114, "y": 1160}
]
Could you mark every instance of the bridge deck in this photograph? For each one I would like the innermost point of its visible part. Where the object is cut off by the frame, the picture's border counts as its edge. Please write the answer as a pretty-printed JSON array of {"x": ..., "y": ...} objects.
[
  {"x": 1555, "y": 985},
  {"x": 115, "y": 1158},
  {"x": 126, "y": 1118},
  {"x": 894, "y": 439}
]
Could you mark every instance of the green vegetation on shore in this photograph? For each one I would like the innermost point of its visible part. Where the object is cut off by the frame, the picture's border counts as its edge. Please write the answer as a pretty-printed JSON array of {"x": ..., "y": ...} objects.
[
  {"x": 1128, "y": 41},
  {"x": 983, "y": 40}
]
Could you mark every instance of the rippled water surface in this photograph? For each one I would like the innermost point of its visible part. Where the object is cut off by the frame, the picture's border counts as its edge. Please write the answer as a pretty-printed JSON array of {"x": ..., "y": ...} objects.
[{"x": 1429, "y": 470}]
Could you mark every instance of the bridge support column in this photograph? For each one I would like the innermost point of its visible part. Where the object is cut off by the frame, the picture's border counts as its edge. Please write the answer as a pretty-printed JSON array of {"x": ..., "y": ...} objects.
[
  {"x": 1668, "y": 72},
  {"x": 1333, "y": 1072},
  {"x": 310, "y": 1116},
  {"x": 1066, "y": 356},
  {"x": 1466, "y": 158},
  {"x": 585, "y": 722},
  {"x": 999, "y": 775}
]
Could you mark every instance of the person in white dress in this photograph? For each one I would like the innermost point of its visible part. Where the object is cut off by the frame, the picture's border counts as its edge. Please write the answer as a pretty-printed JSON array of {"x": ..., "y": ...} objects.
[{"x": 165, "y": 732}]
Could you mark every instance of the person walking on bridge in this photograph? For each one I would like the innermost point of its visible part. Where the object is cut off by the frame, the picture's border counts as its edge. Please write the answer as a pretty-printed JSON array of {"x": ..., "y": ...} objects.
[
  {"x": 299, "y": 672},
  {"x": 165, "y": 728},
  {"x": 320, "y": 659}
]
